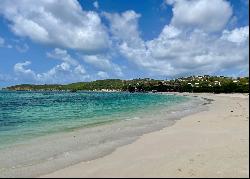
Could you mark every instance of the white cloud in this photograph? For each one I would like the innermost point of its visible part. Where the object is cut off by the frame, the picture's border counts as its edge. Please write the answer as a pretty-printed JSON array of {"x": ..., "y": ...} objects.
[
  {"x": 63, "y": 73},
  {"x": 103, "y": 63},
  {"x": 102, "y": 74},
  {"x": 27, "y": 74},
  {"x": 170, "y": 2},
  {"x": 194, "y": 42},
  {"x": 80, "y": 70},
  {"x": 96, "y": 4},
  {"x": 179, "y": 52},
  {"x": 63, "y": 55},
  {"x": 62, "y": 23},
  {"x": 170, "y": 32},
  {"x": 20, "y": 68},
  {"x": 124, "y": 26},
  {"x": 68, "y": 71},
  {"x": 208, "y": 15},
  {"x": 238, "y": 35}
]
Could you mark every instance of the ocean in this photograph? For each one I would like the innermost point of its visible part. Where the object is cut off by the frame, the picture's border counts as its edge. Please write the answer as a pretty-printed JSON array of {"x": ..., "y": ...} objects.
[{"x": 51, "y": 130}]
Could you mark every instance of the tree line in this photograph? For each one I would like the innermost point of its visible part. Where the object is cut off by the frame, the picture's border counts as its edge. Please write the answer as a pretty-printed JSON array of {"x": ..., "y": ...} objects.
[{"x": 210, "y": 84}]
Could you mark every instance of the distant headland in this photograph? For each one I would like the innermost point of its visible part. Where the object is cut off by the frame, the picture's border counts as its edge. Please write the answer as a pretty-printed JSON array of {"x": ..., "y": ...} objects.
[{"x": 204, "y": 83}]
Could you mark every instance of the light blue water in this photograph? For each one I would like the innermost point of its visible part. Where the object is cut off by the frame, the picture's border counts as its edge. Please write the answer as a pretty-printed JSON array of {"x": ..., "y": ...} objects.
[{"x": 25, "y": 115}]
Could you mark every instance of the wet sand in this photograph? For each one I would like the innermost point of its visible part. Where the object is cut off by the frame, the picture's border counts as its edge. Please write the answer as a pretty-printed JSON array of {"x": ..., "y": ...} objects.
[{"x": 212, "y": 143}]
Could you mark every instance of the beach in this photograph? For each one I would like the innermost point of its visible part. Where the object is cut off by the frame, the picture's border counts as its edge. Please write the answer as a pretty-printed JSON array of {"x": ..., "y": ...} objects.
[
  {"x": 124, "y": 89},
  {"x": 88, "y": 125},
  {"x": 210, "y": 143}
]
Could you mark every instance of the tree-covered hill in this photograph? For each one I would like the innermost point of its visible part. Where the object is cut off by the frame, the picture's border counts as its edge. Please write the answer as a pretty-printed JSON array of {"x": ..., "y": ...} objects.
[{"x": 206, "y": 83}]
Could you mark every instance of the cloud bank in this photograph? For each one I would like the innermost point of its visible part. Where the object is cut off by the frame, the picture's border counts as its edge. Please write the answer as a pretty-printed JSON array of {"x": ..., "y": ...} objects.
[
  {"x": 197, "y": 39},
  {"x": 188, "y": 45},
  {"x": 67, "y": 71},
  {"x": 62, "y": 23}
]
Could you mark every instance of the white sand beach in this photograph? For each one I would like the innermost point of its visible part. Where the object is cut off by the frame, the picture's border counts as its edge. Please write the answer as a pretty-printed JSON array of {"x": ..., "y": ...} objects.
[{"x": 212, "y": 143}]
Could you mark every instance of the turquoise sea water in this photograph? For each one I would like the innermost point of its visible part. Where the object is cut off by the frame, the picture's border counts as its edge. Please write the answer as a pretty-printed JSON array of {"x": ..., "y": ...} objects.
[{"x": 25, "y": 115}]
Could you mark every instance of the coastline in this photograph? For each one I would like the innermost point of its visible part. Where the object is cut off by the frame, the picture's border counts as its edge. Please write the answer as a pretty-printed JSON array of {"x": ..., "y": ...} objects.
[
  {"x": 211, "y": 143},
  {"x": 47, "y": 154}
]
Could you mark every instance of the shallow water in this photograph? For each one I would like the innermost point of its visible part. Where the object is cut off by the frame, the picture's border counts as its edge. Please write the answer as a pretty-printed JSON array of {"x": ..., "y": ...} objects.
[
  {"x": 42, "y": 132},
  {"x": 25, "y": 115}
]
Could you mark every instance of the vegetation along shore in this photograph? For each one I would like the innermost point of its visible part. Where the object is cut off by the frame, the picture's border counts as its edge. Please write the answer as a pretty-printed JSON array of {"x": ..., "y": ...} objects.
[{"x": 205, "y": 83}]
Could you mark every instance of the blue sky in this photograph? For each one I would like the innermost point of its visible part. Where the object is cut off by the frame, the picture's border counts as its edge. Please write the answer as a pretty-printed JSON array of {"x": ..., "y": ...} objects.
[{"x": 68, "y": 41}]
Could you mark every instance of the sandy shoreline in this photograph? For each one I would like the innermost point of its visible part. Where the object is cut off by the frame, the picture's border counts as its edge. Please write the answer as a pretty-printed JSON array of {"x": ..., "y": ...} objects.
[
  {"x": 211, "y": 143},
  {"x": 46, "y": 154}
]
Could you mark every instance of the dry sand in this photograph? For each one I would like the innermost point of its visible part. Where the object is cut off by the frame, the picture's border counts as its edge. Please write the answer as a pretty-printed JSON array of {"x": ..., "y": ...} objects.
[{"x": 213, "y": 143}]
